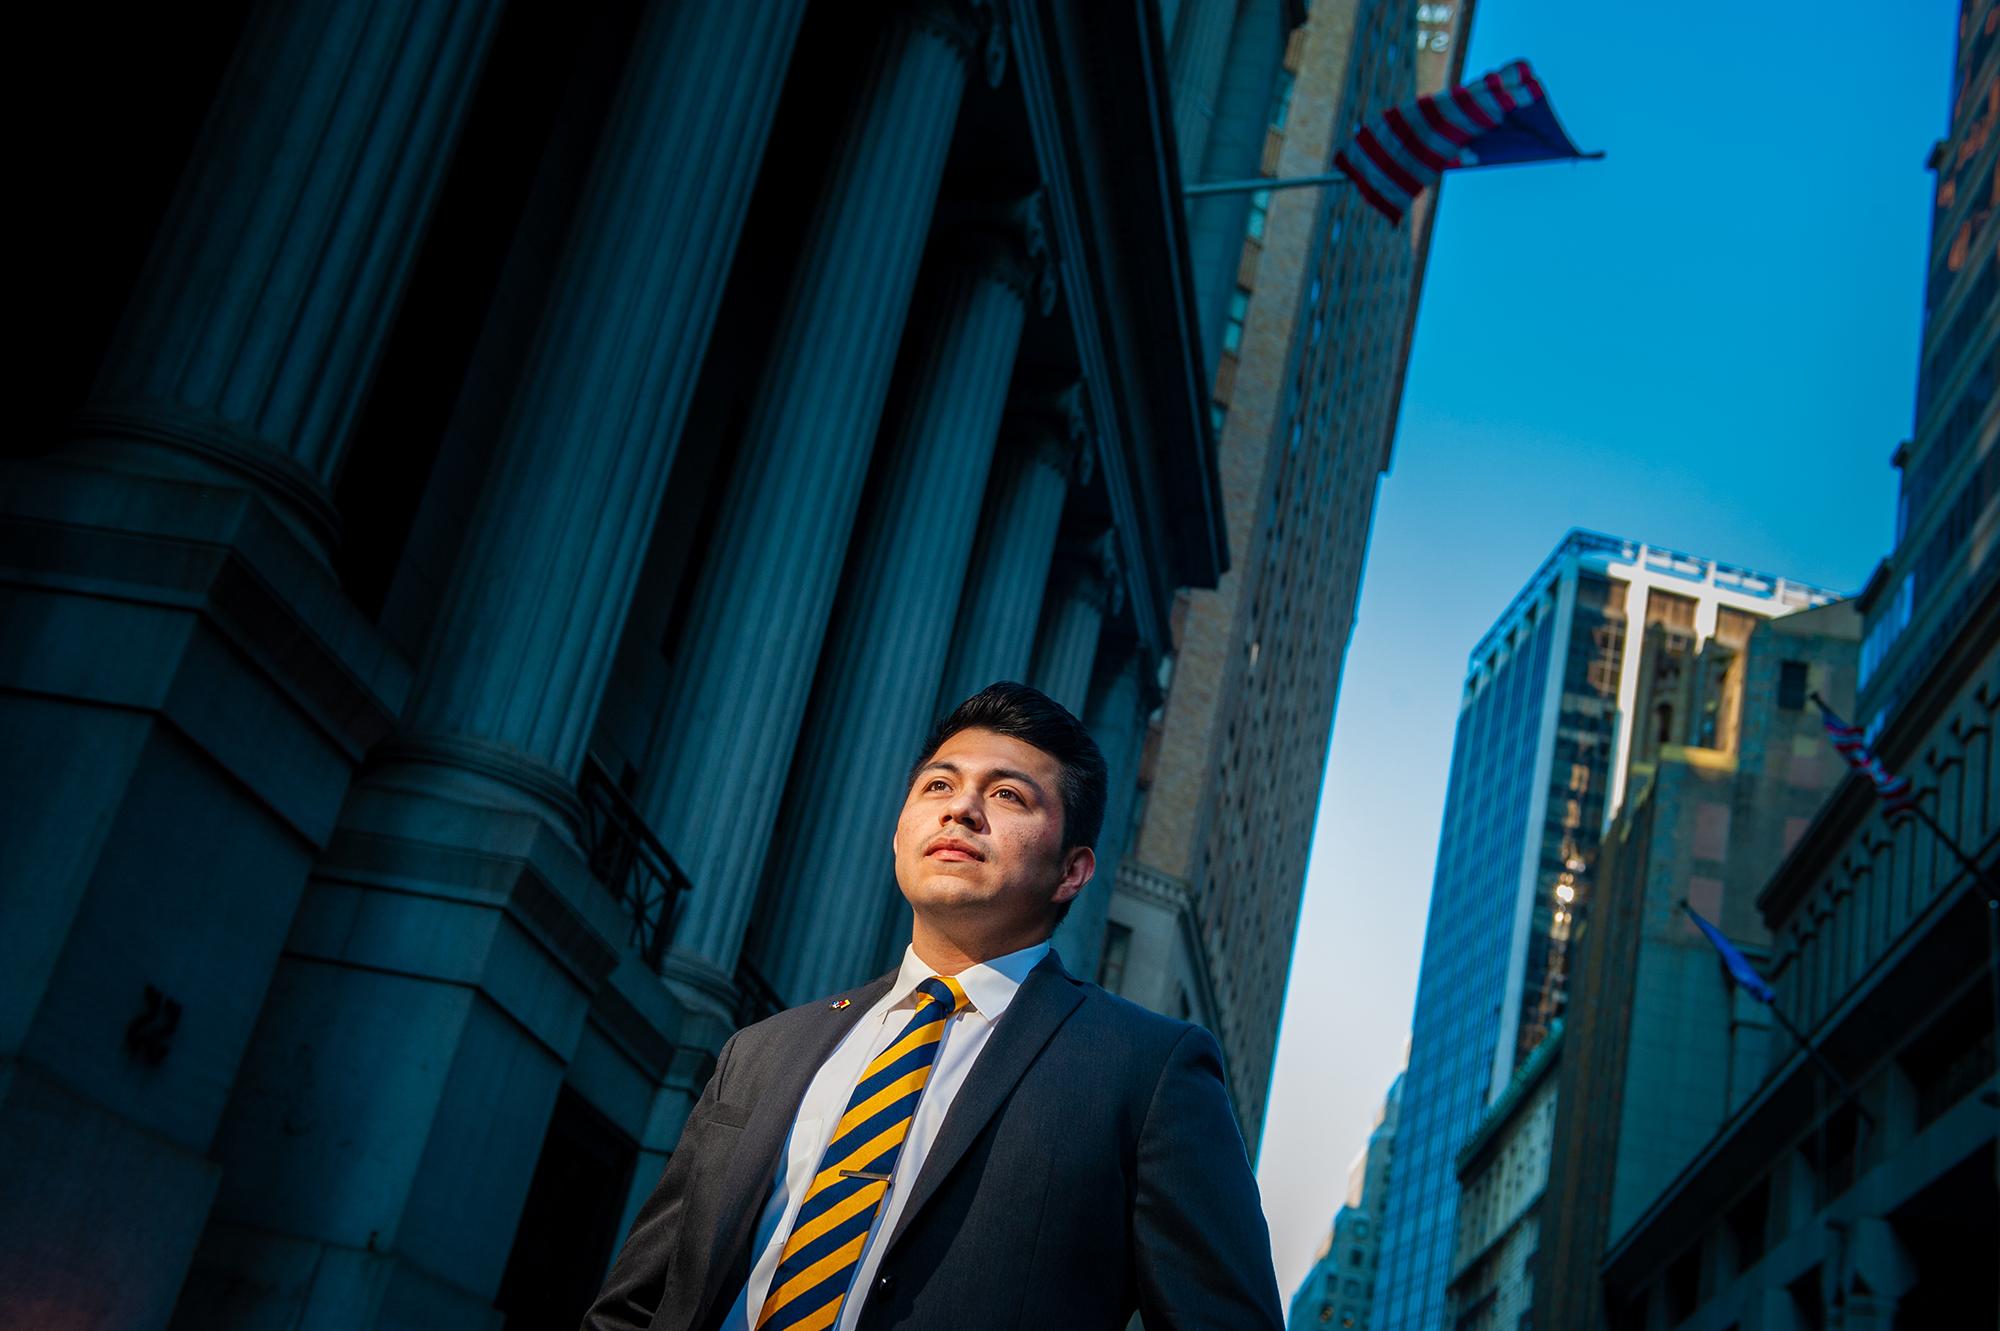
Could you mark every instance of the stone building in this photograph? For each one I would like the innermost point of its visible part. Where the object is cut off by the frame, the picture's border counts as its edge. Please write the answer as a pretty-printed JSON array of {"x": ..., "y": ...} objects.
[
  {"x": 1503, "y": 1172},
  {"x": 518, "y": 482},
  {"x": 1660, "y": 1049},
  {"x": 1807, "y": 1207},
  {"x": 1340, "y": 1288},
  {"x": 1313, "y": 353},
  {"x": 1549, "y": 723}
]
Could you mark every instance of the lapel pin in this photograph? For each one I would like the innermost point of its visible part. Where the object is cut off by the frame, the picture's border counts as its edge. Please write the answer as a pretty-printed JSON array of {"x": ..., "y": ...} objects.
[{"x": 839, "y": 1003}]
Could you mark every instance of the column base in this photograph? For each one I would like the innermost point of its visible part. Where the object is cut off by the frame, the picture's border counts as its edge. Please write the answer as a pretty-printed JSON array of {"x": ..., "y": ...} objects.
[{"x": 151, "y": 439}]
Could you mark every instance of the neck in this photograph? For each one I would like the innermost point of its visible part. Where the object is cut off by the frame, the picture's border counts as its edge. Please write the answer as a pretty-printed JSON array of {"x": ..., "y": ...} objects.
[{"x": 949, "y": 949}]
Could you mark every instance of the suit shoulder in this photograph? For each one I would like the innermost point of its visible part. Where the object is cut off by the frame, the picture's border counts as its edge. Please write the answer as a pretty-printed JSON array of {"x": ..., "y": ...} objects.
[{"x": 1133, "y": 1022}]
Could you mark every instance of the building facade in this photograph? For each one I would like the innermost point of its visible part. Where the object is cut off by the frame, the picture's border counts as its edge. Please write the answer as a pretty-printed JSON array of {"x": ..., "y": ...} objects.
[
  {"x": 514, "y": 465},
  {"x": 1503, "y": 1172},
  {"x": 1339, "y": 1290},
  {"x": 1660, "y": 1049},
  {"x": 1548, "y": 723},
  {"x": 1320, "y": 309},
  {"x": 1812, "y": 1206}
]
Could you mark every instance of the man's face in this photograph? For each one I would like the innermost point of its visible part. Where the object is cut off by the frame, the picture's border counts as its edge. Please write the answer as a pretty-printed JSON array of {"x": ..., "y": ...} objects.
[{"x": 980, "y": 839}]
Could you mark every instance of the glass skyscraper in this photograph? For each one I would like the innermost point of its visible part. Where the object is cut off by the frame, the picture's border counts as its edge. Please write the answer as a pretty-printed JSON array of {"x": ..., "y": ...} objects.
[{"x": 1538, "y": 767}]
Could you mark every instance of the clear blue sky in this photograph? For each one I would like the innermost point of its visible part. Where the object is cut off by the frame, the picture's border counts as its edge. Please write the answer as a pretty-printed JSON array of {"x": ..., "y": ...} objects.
[{"x": 1708, "y": 341}]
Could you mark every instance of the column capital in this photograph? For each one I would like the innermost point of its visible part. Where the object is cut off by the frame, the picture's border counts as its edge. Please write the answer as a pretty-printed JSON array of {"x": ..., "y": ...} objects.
[
  {"x": 1093, "y": 572},
  {"x": 1055, "y": 422},
  {"x": 1009, "y": 240},
  {"x": 974, "y": 27}
]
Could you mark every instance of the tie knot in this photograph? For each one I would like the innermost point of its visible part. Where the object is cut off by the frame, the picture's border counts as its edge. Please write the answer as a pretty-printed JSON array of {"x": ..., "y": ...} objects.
[{"x": 946, "y": 992}]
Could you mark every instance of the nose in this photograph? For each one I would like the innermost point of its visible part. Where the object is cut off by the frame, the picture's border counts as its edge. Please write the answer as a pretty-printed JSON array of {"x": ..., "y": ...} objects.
[{"x": 966, "y": 809}]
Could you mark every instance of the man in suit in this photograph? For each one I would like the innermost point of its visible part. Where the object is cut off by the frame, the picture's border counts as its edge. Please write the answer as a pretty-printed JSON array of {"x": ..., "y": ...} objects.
[{"x": 977, "y": 1140}]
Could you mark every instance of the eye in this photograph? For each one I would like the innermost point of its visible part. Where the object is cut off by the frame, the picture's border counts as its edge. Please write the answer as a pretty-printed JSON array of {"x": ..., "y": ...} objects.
[
  {"x": 1008, "y": 792},
  {"x": 936, "y": 783}
]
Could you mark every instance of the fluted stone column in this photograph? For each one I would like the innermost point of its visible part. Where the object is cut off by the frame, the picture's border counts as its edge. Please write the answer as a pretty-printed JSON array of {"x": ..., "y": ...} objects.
[
  {"x": 1201, "y": 44},
  {"x": 259, "y": 317},
  {"x": 820, "y": 916},
  {"x": 1235, "y": 151},
  {"x": 1083, "y": 593},
  {"x": 1117, "y": 722},
  {"x": 1044, "y": 448},
  {"x": 517, "y": 661},
  {"x": 759, "y": 613},
  {"x": 332, "y": 1191}
]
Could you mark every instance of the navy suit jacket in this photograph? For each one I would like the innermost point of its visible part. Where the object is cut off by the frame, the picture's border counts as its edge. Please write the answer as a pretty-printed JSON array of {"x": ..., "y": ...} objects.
[{"x": 1089, "y": 1167}]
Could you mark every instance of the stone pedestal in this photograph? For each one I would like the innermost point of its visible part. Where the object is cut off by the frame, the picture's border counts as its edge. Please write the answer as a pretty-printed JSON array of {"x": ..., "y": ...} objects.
[
  {"x": 1082, "y": 593},
  {"x": 821, "y": 914},
  {"x": 1044, "y": 447},
  {"x": 259, "y": 317},
  {"x": 1117, "y": 722},
  {"x": 185, "y": 692},
  {"x": 760, "y": 610}
]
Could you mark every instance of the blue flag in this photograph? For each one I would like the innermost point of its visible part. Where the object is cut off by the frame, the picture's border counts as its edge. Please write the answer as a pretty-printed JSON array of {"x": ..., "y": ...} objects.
[{"x": 1740, "y": 969}]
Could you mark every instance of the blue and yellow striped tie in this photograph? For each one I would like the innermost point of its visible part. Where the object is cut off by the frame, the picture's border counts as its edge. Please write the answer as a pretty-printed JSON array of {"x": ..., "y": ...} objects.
[{"x": 819, "y": 1258}]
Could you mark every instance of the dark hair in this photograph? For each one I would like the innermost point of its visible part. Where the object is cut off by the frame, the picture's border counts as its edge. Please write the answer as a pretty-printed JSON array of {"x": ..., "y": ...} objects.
[{"x": 1031, "y": 716}]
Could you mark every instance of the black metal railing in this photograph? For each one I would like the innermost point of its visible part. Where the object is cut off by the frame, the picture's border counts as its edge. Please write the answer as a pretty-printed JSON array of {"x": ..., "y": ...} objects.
[
  {"x": 755, "y": 998},
  {"x": 629, "y": 860}
]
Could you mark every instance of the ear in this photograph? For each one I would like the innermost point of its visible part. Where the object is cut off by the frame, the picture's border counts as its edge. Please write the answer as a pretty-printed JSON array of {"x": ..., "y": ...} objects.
[{"x": 1079, "y": 863}]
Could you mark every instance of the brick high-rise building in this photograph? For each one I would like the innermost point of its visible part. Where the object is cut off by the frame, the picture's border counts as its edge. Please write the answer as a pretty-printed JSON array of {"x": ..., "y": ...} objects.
[{"x": 1314, "y": 349}]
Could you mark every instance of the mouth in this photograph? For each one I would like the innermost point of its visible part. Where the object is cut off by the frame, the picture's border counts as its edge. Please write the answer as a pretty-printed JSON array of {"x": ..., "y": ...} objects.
[{"x": 952, "y": 850}]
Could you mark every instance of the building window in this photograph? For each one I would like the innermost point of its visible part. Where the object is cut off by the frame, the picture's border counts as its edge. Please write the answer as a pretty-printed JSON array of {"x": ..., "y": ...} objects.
[
  {"x": 1117, "y": 946},
  {"x": 1792, "y": 685}
]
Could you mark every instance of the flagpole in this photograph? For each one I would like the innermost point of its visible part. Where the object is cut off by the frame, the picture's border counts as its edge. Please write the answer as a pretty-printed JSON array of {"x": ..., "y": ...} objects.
[
  {"x": 1818, "y": 1059},
  {"x": 1261, "y": 182}
]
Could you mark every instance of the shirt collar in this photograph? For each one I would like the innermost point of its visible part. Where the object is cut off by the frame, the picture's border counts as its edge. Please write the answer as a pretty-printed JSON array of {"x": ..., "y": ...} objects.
[{"x": 990, "y": 985}]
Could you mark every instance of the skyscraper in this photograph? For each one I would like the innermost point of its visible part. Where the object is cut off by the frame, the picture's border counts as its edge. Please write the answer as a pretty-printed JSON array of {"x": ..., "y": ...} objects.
[
  {"x": 1340, "y": 1288},
  {"x": 1881, "y": 1204},
  {"x": 1548, "y": 721},
  {"x": 1313, "y": 352},
  {"x": 1659, "y": 1050}
]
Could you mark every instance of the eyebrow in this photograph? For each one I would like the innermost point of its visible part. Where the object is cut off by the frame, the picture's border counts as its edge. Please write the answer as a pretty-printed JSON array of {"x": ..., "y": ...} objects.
[{"x": 997, "y": 774}]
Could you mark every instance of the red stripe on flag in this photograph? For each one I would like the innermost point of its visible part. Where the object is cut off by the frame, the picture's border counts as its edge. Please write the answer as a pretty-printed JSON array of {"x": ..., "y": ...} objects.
[
  {"x": 1368, "y": 191},
  {"x": 1414, "y": 141},
  {"x": 1474, "y": 112},
  {"x": 1529, "y": 82},
  {"x": 1498, "y": 87},
  {"x": 1439, "y": 121},
  {"x": 1386, "y": 162}
]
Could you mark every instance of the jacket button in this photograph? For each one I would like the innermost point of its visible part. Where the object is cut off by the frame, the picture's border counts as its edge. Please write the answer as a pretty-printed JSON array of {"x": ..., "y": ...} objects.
[{"x": 885, "y": 1284}]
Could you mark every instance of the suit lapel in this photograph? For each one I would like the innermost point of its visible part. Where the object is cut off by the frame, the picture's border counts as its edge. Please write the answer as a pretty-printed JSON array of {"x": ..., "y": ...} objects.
[
  {"x": 1045, "y": 1000},
  {"x": 760, "y": 1151}
]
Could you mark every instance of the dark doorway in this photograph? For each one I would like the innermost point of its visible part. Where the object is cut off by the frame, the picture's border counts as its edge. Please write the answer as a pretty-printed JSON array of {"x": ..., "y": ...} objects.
[{"x": 570, "y": 1222}]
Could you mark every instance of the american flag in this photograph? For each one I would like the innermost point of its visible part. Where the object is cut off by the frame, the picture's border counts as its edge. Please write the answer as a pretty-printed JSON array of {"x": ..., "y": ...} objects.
[
  {"x": 1898, "y": 796},
  {"x": 1498, "y": 120}
]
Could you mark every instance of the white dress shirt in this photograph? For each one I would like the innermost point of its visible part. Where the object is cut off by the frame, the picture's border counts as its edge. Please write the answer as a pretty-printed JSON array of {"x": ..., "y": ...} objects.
[{"x": 990, "y": 986}]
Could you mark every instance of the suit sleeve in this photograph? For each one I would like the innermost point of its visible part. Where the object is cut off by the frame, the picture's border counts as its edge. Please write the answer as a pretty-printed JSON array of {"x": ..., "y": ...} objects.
[
  {"x": 632, "y": 1291},
  {"x": 1201, "y": 1250}
]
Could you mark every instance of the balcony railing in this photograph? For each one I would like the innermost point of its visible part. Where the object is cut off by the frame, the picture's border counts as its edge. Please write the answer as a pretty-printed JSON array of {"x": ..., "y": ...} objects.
[
  {"x": 755, "y": 998},
  {"x": 630, "y": 861}
]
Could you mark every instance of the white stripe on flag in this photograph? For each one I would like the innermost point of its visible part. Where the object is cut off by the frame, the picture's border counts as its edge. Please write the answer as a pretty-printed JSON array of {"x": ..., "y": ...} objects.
[
  {"x": 1353, "y": 155},
  {"x": 1487, "y": 102},
  {"x": 1452, "y": 112},
  {"x": 1385, "y": 134},
  {"x": 1413, "y": 116}
]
